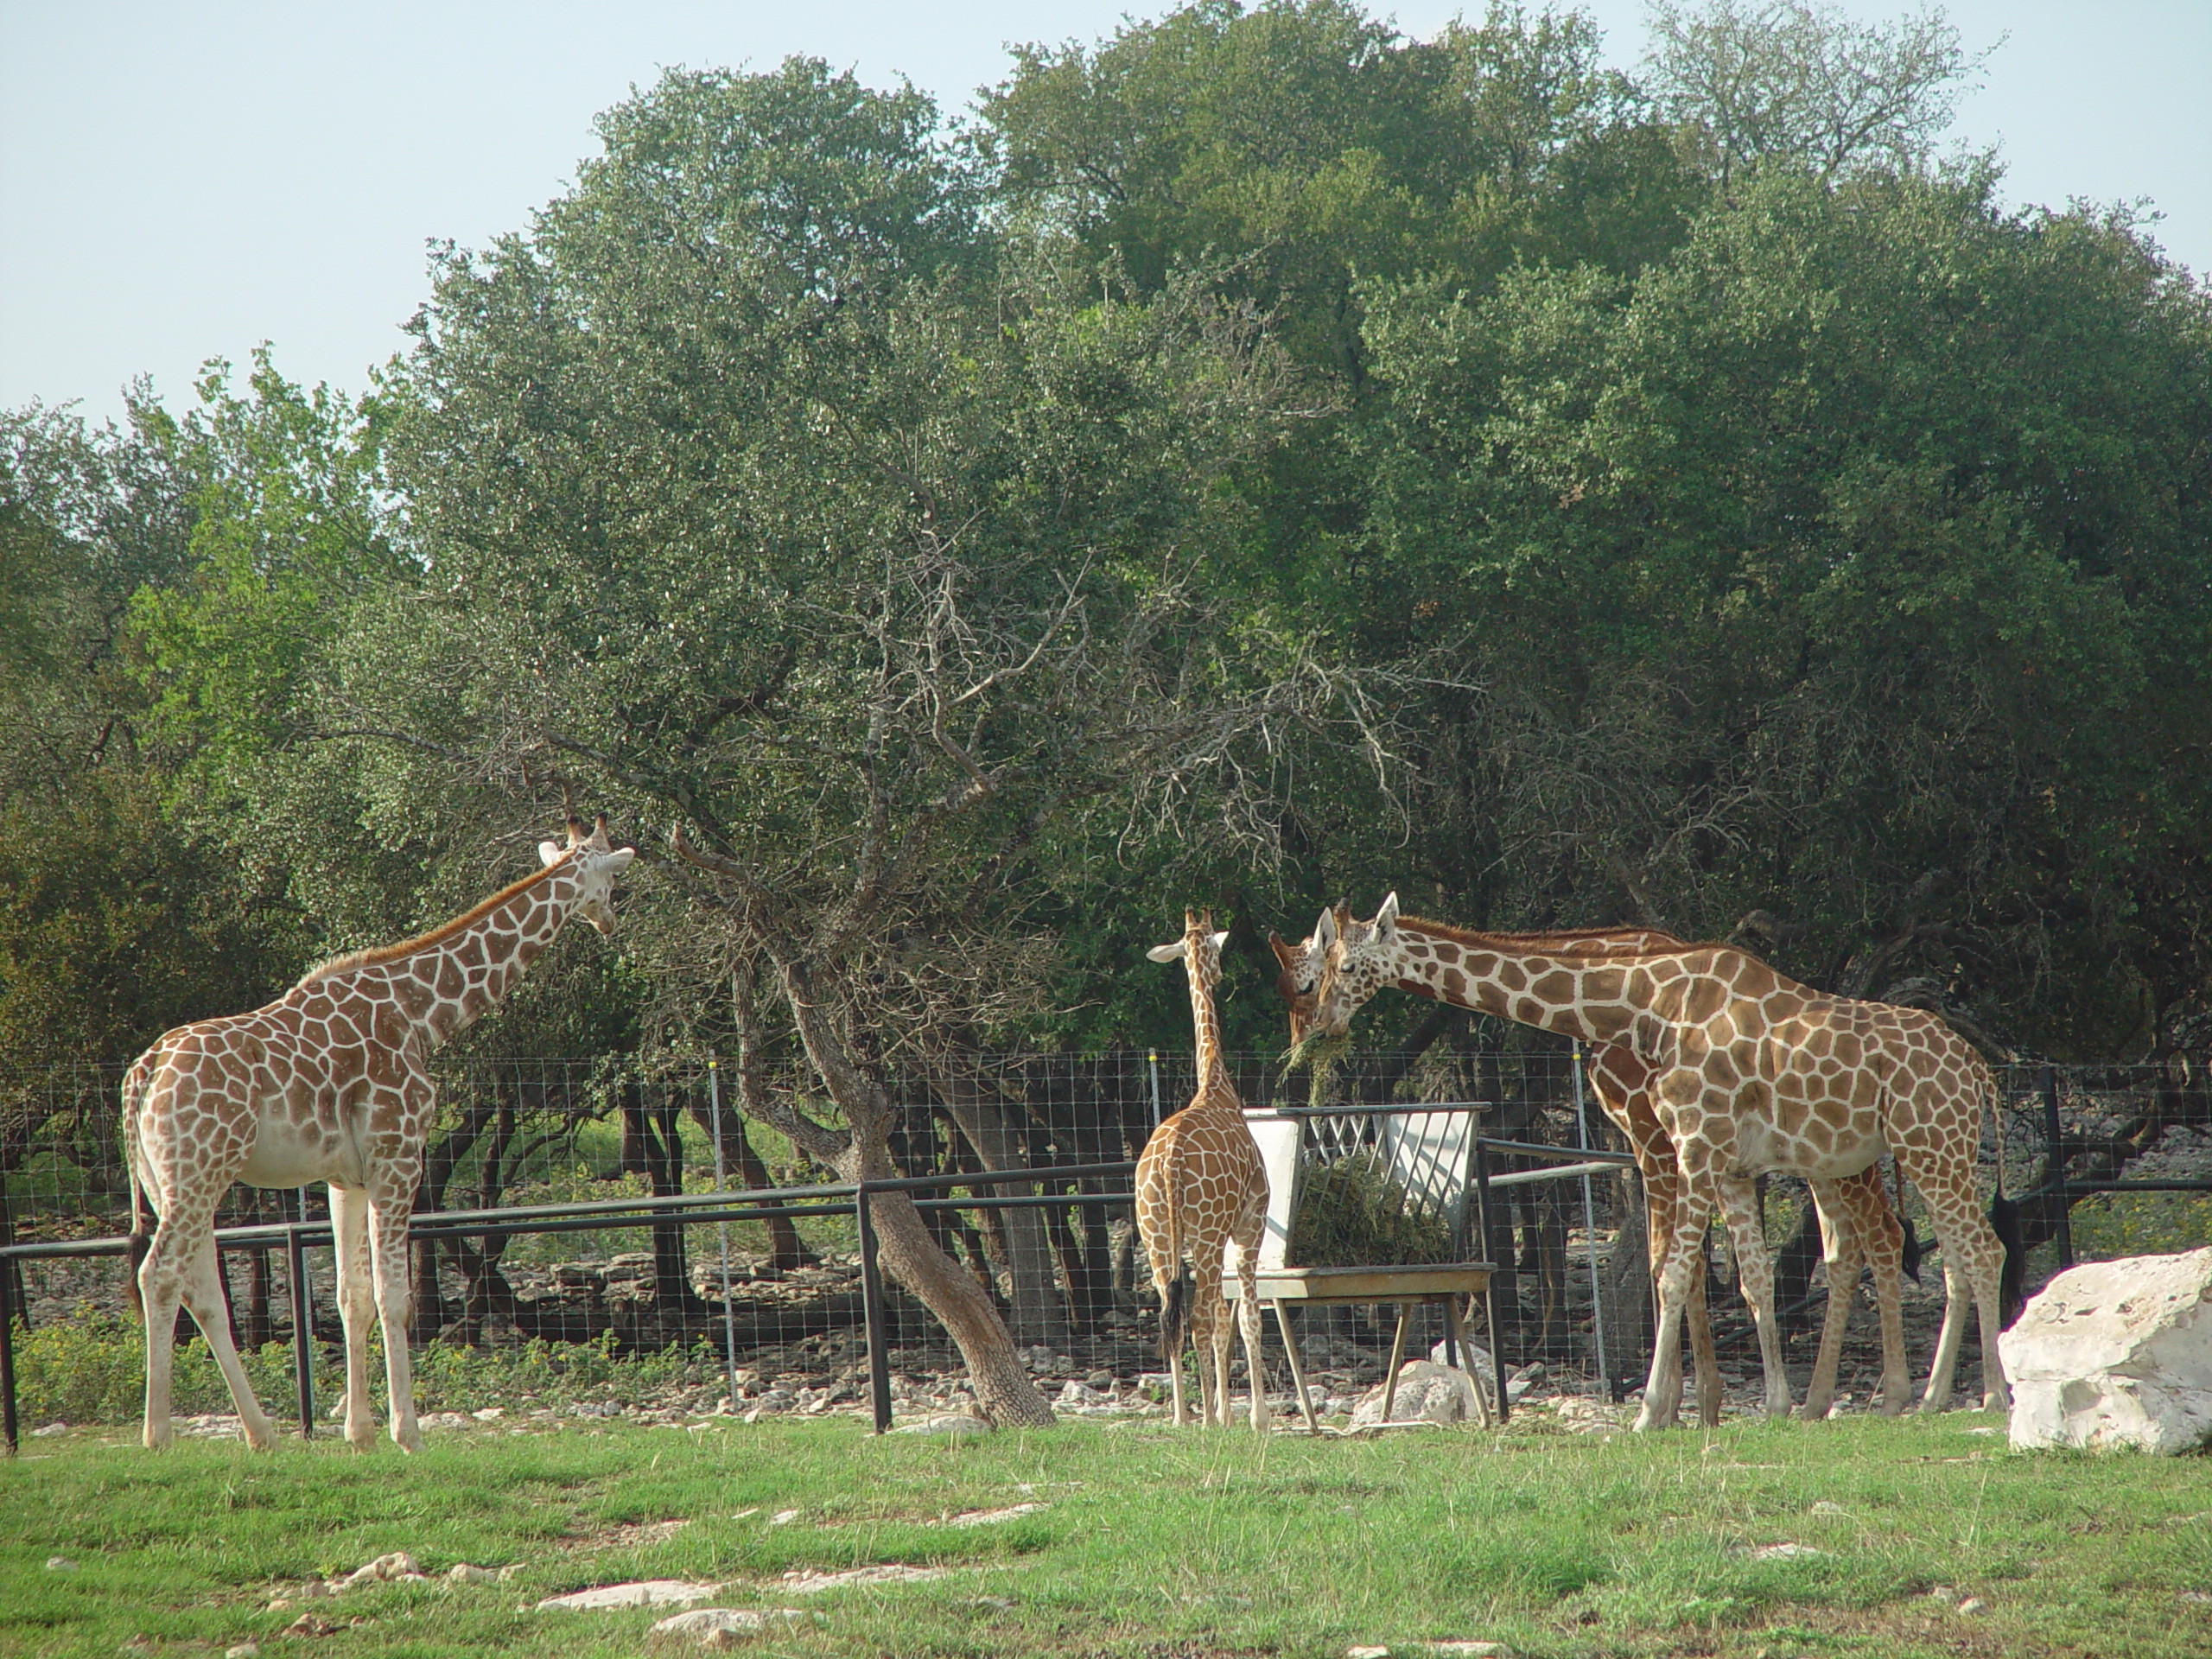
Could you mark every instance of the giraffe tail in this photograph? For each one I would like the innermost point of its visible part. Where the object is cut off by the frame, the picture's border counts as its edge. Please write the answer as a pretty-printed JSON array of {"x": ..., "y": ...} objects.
[
  {"x": 134, "y": 1081},
  {"x": 1175, "y": 1294}
]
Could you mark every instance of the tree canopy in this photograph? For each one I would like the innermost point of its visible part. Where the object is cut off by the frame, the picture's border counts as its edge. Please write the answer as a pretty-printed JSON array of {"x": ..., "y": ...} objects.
[{"x": 1260, "y": 458}]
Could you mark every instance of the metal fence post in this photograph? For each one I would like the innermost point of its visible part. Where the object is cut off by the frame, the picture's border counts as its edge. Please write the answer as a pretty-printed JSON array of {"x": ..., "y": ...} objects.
[
  {"x": 2054, "y": 1167},
  {"x": 1152, "y": 1067},
  {"x": 8, "y": 1352},
  {"x": 1490, "y": 1296},
  {"x": 295, "y": 1258},
  {"x": 873, "y": 1322},
  {"x": 722, "y": 1231}
]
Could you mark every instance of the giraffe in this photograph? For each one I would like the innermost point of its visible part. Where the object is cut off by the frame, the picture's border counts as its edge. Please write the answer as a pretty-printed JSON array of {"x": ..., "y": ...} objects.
[
  {"x": 329, "y": 1084},
  {"x": 1751, "y": 1071},
  {"x": 1201, "y": 1187},
  {"x": 1854, "y": 1213}
]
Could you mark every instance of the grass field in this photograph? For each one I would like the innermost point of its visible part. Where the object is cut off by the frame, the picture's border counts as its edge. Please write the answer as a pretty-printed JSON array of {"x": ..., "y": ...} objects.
[{"x": 1148, "y": 1541}]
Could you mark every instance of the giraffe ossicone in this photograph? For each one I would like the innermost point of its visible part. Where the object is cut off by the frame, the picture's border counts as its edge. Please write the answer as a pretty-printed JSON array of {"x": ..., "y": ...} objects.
[
  {"x": 1749, "y": 1070},
  {"x": 329, "y": 1082},
  {"x": 1202, "y": 1192}
]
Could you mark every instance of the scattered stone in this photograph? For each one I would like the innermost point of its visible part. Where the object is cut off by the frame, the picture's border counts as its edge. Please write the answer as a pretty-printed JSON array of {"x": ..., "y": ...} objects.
[
  {"x": 1943, "y": 1592},
  {"x": 1973, "y": 1605},
  {"x": 1825, "y": 1508},
  {"x": 1101, "y": 1380},
  {"x": 489, "y": 1415},
  {"x": 783, "y": 1518},
  {"x": 644, "y": 1593},
  {"x": 992, "y": 1517},
  {"x": 463, "y": 1572},
  {"x": 308, "y": 1624},
  {"x": 1079, "y": 1393},
  {"x": 242, "y": 1650},
  {"x": 1779, "y": 1552},
  {"x": 60, "y": 1564},
  {"x": 1367, "y": 1653},
  {"x": 1005, "y": 1604},
  {"x": 953, "y": 1425},
  {"x": 1474, "y": 1649},
  {"x": 713, "y": 1626},
  {"x": 50, "y": 1431},
  {"x": 383, "y": 1570},
  {"x": 2116, "y": 1354},
  {"x": 806, "y": 1581}
]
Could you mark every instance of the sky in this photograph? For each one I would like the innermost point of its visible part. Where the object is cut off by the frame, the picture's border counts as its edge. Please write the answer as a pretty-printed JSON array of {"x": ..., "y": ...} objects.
[{"x": 182, "y": 179}]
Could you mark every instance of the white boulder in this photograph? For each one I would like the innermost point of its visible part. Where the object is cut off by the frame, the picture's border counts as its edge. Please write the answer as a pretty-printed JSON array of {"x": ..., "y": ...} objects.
[
  {"x": 1426, "y": 1393},
  {"x": 2114, "y": 1354}
]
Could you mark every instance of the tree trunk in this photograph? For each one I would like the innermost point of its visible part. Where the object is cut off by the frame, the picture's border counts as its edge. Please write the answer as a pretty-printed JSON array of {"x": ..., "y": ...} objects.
[
  {"x": 1037, "y": 1316},
  {"x": 1624, "y": 1290}
]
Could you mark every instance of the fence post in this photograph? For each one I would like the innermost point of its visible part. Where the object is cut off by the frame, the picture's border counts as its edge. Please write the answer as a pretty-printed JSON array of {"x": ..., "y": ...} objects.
[
  {"x": 1152, "y": 1067},
  {"x": 2054, "y": 1176},
  {"x": 722, "y": 1231},
  {"x": 1590, "y": 1233},
  {"x": 8, "y": 1352},
  {"x": 1490, "y": 1296},
  {"x": 296, "y": 1257},
  {"x": 872, "y": 1319}
]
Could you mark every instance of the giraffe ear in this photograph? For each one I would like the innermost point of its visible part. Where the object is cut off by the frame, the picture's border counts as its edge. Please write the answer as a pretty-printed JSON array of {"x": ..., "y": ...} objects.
[
  {"x": 1324, "y": 931},
  {"x": 548, "y": 851},
  {"x": 1387, "y": 918},
  {"x": 615, "y": 863},
  {"x": 1218, "y": 940},
  {"x": 1166, "y": 952}
]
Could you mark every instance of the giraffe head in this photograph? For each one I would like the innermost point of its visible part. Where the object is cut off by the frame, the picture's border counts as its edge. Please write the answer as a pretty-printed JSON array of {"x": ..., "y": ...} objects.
[
  {"x": 1299, "y": 970},
  {"x": 595, "y": 865},
  {"x": 1358, "y": 960},
  {"x": 1200, "y": 946}
]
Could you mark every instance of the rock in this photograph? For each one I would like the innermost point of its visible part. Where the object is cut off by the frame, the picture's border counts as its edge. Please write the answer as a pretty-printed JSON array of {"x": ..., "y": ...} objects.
[
  {"x": 953, "y": 1425},
  {"x": 462, "y": 1573},
  {"x": 703, "y": 1624},
  {"x": 805, "y": 1581},
  {"x": 60, "y": 1564},
  {"x": 242, "y": 1650},
  {"x": 397, "y": 1565},
  {"x": 993, "y": 1517},
  {"x": 644, "y": 1593},
  {"x": 1367, "y": 1653},
  {"x": 1426, "y": 1393},
  {"x": 308, "y": 1624},
  {"x": 1474, "y": 1649},
  {"x": 1973, "y": 1605},
  {"x": 2116, "y": 1354},
  {"x": 1780, "y": 1552},
  {"x": 1079, "y": 1393}
]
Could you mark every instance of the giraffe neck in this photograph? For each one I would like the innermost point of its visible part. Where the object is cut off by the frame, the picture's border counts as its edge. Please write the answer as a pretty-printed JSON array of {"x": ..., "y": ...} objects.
[
  {"x": 1206, "y": 1021},
  {"x": 460, "y": 972},
  {"x": 1594, "y": 996}
]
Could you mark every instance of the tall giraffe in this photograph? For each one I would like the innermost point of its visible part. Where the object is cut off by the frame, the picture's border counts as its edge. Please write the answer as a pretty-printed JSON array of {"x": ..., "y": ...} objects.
[
  {"x": 329, "y": 1084},
  {"x": 1201, "y": 1187},
  {"x": 1751, "y": 1072},
  {"x": 1854, "y": 1213}
]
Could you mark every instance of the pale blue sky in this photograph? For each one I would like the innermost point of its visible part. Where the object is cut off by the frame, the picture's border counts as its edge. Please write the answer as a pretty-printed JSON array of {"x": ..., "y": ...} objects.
[{"x": 180, "y": 179}]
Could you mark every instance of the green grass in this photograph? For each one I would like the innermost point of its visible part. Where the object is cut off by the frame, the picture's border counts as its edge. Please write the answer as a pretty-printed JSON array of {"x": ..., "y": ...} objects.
[{"x": 1154, "y": 1542}]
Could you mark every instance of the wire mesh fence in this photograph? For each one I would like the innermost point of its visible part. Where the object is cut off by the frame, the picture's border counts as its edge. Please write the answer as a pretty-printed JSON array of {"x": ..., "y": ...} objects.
[{"x": 773, "y": 1286}]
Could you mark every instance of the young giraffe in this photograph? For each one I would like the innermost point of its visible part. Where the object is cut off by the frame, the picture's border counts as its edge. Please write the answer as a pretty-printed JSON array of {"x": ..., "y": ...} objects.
[
  {"x": 328, "y": 1084},
  {"x": 1855, "y": 1212},
  {"x": 1201, "y": 1186}
]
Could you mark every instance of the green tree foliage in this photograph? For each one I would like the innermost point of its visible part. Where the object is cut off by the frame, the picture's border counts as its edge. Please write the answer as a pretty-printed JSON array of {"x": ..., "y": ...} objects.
[{"x": 1801, "y": 577}]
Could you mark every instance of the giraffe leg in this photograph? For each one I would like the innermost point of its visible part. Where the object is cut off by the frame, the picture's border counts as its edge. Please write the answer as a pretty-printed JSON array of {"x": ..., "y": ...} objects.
[
  {"x": 161, "y": 1292},
  {"x": 388, "y": 1214},
  {"x": 1699, "y": 1319},
  {"x": 1213, "y": 1355},
  {"x": 202, "y": 1283},
  {"x": 1842, "y": 1220},
  {"x": 1247, "y": 1322},
  {"x": 1681, "y": 1255},
  {"x": 349, "y": 1229},
  {"x": 1755, "y": 1271},
  {"x": 1881, "y": 1240},
  {"x": 1662, "y": 1395},
  {"x": 1973, "y": 1259}
]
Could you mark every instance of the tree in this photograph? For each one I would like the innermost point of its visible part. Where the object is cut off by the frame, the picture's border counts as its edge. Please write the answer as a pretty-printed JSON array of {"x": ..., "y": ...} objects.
[
  {"x": 874, "y": 570},
  {"x": 1800, "y": 80}
]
